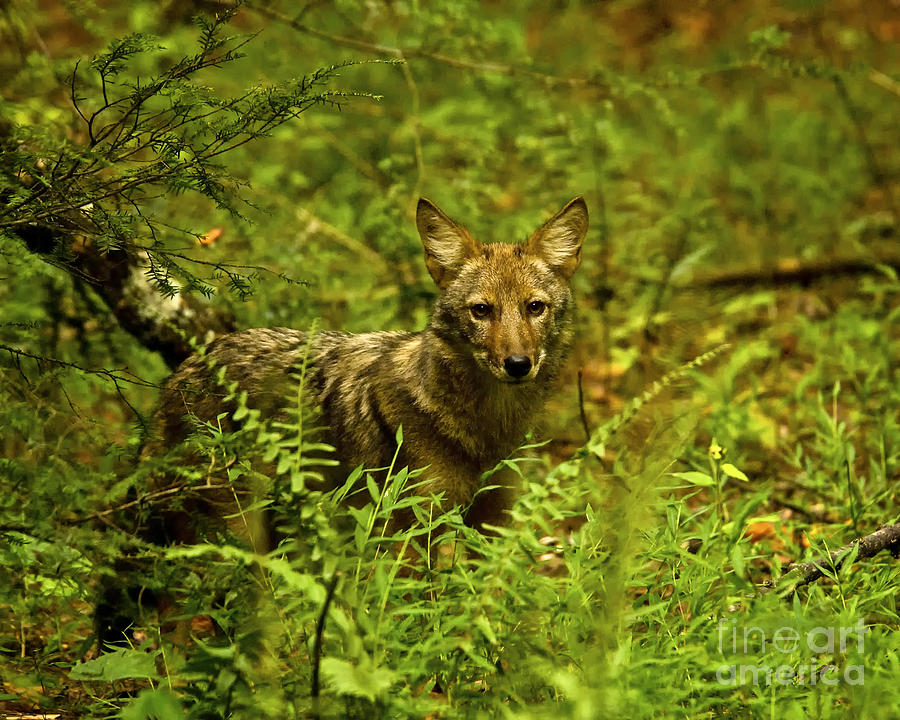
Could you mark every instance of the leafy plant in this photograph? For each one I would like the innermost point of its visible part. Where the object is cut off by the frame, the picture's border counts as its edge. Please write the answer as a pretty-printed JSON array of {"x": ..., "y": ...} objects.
[{"x": 739, "y": 161}]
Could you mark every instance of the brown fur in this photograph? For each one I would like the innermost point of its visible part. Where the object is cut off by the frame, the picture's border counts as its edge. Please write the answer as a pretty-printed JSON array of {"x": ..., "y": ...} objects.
[{"x": 450, "y": 387}]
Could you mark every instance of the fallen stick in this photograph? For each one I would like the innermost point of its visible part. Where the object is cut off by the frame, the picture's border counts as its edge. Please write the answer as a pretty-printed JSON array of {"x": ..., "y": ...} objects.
[
  {"x": 886, "y": 537},
  {"x": 791, "y": 270}
]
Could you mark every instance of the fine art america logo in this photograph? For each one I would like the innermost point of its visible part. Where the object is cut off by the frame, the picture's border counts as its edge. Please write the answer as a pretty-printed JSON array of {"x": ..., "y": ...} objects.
[{"x": 819, "y": 646}]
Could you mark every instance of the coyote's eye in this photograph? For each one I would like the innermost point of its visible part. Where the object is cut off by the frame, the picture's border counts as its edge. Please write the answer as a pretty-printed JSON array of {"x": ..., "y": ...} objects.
[
  {"x": 536, "y": 307},
  {"x": 480, "y": 310}
]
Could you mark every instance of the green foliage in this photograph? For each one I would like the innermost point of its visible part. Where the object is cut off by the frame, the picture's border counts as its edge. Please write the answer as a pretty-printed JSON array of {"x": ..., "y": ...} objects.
[
  {"x": 731, "y": 136},
  {"x": 146, "y": 137}
]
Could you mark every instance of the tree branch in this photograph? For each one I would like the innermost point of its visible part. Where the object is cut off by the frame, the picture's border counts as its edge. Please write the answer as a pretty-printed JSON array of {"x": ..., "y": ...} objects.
[
  {"x": 121, "y": 376},
  {"x": 402, "y": 53},
  {"x": 885, "y": 538},
  {"x": 789, "y": 271},
  {"x": 165, "y": 325}
]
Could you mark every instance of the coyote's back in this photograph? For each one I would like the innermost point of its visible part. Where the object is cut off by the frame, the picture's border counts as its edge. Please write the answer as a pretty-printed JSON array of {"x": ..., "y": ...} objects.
[{"x": 465, "y": 389}]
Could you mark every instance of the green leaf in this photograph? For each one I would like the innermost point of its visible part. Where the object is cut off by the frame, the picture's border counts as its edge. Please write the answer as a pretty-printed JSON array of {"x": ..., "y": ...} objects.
[
  {"x": 731, "y": 471},
  {"x": 118, "y": 665},
  {"x": 482, "y": 623},
  {"x": 362, "y": 680},
  {"x": 154, "y": 704},
  {"x": 372, "y": 486},
  {"x": 242, "y": 408},
  {"x": 695, "y": 478}
]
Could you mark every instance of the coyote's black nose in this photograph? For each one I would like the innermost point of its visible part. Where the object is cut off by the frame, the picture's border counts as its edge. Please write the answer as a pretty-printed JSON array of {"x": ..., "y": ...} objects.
[{"x": 517, "y": 366}]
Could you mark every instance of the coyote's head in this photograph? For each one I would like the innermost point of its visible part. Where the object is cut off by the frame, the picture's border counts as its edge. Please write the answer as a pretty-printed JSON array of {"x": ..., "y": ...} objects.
[{"x": 505, "y": 305}]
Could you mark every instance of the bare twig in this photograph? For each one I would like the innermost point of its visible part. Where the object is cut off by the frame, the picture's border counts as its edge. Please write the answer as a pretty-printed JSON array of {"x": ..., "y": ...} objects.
[
  {"x": 314, "y": 225},
  {"x": 111, "y": 375},
  {"x": 886, "y": 537},
  {"x": 885, "y": 82},
  {"x": 416, "y": 122},
  {"x": 872, "y": 162},
  {"x": 224, "y": 267},
  {"x": 413, "y": 52},
  {"x": 317, "y": 648},
  {"x": 672, "y": 255},
  {"x": 161, "y": 495},
  {"x": 584, "y": 422}
]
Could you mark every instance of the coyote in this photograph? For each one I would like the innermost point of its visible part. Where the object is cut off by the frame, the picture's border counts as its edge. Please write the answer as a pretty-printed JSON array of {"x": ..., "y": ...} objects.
[{"x": 465, "y": 389}]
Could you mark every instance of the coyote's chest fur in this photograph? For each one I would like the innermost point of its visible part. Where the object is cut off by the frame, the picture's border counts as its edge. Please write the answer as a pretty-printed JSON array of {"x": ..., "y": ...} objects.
[{"x": 465, "y": 390}]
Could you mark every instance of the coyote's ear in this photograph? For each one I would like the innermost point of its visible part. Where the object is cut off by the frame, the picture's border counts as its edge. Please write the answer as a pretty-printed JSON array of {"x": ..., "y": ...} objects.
[
  {"x": 558, "y": 241},
  {"x": 447, "y": 245}
]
